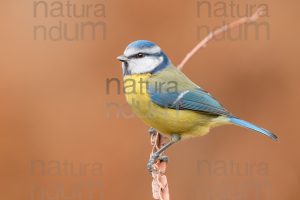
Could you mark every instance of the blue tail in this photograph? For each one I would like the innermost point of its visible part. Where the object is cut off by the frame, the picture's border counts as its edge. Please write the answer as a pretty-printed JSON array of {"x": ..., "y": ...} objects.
[{"x": 245, "y": 124}]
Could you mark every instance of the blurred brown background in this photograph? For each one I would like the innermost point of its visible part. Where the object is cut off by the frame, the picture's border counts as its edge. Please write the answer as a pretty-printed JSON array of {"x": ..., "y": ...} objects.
[{"x": 54, "y": 105}]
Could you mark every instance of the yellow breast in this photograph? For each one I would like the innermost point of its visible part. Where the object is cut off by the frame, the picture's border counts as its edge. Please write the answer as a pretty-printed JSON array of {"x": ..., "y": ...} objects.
[{"x": 167, "y": 121}]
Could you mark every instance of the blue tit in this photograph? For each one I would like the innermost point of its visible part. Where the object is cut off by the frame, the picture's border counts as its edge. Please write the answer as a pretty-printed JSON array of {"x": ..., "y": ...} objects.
[{"x": 165, "y": 99}]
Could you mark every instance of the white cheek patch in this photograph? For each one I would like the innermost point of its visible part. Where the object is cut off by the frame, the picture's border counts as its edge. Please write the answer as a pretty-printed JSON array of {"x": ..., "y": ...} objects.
[{"x": 144, "y": 65}]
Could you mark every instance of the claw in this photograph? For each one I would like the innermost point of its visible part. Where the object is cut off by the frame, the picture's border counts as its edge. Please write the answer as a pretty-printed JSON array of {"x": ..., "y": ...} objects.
[
  {"x": 151, "y": 162},
  {"x": 163, "y": 158},
  {"x": 151, "y": 131}
]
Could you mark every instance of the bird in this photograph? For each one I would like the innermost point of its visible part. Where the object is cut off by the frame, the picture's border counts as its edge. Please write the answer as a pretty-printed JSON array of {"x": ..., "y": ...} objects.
[{"x": 164, "y": 98}]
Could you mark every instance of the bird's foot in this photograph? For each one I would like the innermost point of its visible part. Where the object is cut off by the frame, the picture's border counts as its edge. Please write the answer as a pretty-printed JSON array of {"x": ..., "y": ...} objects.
[
  {"x": 151, "y": 131},
  {"x": 153, "y": 159},
  {"x": 151, "y": 162},
  {"x": 163, "y": 158}
]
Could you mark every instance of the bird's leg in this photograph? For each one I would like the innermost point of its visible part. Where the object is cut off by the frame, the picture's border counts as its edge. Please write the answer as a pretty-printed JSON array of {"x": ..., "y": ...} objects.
[
  {"x": 174, "y": 139},
  {"x": 153, "y": 133}
]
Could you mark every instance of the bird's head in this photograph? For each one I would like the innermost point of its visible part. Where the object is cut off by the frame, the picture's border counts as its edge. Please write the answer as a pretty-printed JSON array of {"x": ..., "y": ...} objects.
[{"x": 143, "y": 56}]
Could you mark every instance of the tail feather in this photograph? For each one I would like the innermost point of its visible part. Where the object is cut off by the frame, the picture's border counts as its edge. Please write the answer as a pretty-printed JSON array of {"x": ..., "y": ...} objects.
[{"x": 246, "y": 124}]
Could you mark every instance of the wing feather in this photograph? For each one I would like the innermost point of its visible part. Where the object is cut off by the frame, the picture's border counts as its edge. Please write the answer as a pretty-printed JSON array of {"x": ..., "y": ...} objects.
[{"x": 188, "y": 95}]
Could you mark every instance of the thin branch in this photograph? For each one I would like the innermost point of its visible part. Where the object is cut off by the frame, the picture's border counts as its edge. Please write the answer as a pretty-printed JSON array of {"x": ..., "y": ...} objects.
[
  {"x": 259, "y": 12},
  {"x": 160, "y": 189}
]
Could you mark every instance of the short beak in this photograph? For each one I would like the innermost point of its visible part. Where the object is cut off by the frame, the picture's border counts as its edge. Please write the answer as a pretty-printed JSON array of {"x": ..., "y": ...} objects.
[{"x": 122, "y": 58}]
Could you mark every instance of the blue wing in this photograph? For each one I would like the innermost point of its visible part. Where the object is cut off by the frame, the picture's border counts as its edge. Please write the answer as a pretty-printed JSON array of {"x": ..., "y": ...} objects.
[
  {"x": 188, "y": 96},
  {"x": 194, "y": 99}
]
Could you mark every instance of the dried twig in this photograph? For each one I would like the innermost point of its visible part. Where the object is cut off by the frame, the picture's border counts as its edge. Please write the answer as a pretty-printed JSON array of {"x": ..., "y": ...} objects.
[
  {"x": 160, "y": 188},
  {"x": 259, "y": 12}
]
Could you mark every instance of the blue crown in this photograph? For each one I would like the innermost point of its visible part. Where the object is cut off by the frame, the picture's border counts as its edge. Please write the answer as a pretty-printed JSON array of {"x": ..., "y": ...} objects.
[{"x": 141, "y": 44}]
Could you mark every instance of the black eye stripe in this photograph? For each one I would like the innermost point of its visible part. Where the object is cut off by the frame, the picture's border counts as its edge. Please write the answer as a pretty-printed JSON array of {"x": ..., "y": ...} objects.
[
  {"x": 138, "y": 55},
  {"x": 144, "y": 54}
]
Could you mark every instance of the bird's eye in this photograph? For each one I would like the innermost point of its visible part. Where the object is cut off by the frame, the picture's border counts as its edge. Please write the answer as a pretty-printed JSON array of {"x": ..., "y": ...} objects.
[{"x": 140, "y": 55}]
